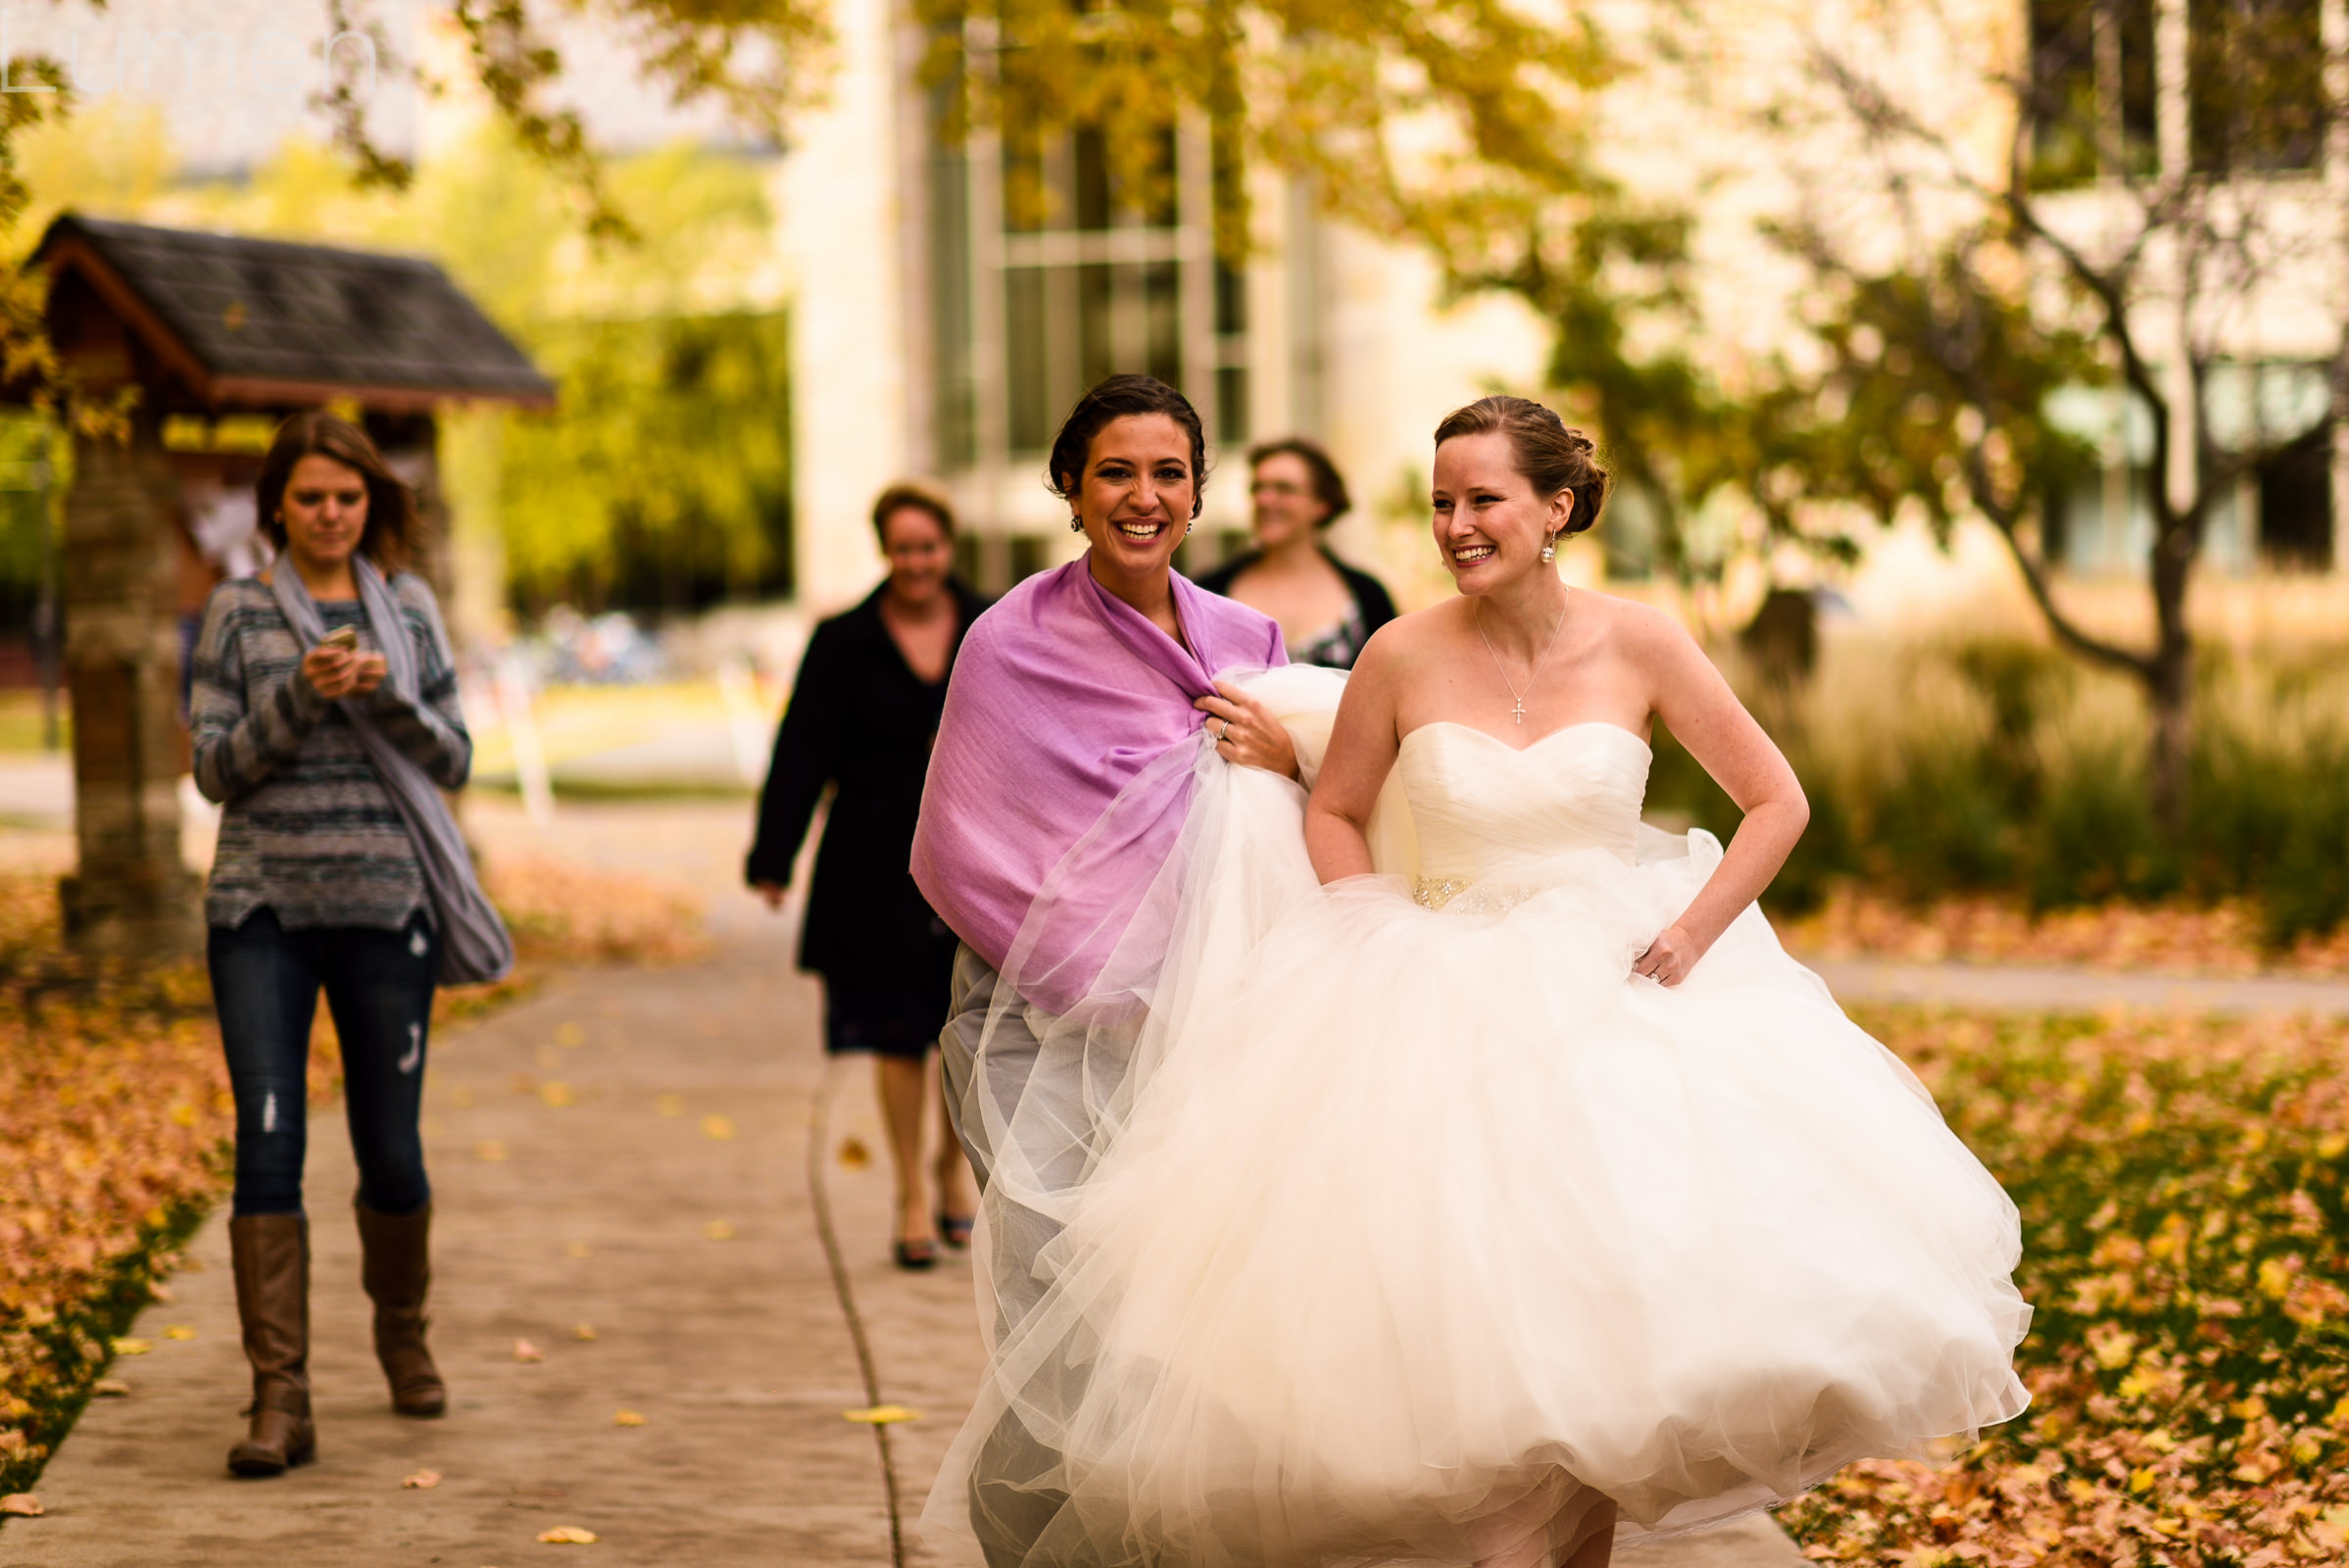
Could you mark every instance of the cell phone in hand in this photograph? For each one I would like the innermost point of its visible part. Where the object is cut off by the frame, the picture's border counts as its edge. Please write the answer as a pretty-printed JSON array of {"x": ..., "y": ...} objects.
[{"x": 345, "y": 638}]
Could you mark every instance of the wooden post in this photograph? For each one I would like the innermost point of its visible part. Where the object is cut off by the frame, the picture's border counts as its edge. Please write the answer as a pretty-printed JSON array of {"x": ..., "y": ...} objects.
[{"x": 132, "y": 895}]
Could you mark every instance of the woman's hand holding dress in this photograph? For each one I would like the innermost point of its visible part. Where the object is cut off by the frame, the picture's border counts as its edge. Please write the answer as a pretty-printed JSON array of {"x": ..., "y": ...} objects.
[
  {"x": 1688, "y": 694},
  {"x": 1246, "y": 732},
  {"x": 1670, "y": 957}
]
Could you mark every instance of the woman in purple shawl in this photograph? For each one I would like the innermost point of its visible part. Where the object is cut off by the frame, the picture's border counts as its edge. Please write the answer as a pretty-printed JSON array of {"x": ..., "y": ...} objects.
[
  {"x": 1444, "y": 1211},
  {"x": 1085, "y": 710}
]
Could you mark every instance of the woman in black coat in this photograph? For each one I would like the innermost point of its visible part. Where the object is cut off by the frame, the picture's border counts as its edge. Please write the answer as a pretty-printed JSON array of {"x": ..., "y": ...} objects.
[
  {"x": 863, "y": 715},
  {"x": 1327, "y": 610}
]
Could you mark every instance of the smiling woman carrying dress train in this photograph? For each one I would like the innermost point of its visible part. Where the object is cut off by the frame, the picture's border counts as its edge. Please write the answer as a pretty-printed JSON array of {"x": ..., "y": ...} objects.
[{"x": 1513, "y": 1193}]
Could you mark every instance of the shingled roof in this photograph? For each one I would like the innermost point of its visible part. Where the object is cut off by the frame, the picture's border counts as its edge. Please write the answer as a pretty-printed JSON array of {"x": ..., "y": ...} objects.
[{"x": 255, "y": 323}]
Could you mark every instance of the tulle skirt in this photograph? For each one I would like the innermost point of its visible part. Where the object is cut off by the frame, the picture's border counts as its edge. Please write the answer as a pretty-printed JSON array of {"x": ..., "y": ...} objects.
[{"x": 1436, "y": 1228}]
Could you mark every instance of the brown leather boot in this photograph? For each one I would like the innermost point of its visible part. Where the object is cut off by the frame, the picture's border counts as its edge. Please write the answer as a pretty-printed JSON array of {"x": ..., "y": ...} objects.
[
  {"x": 271, "y": 1254},
  {"x": 398, "y": 1273}
]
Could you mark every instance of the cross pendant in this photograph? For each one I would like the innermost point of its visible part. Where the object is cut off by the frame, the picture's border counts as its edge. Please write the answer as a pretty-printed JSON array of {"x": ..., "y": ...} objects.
[{"x": 1518, "y": 713}]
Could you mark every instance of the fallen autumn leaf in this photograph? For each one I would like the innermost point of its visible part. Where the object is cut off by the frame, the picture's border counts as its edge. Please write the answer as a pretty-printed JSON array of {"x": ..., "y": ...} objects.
[
  {"x": 567, "y": 1536},
  {"x": 131, "y": 1346},
  {"x": 627, "y": 1419},
  {"x": 21, "y": 1506},
  {"x": 583, "y": 1331},
  {"x": 881, "y": 1415},
  {"x": 178, "y": 1331},
  {"x": 421, "y": 1481},
  {"x": 524, "y": 1351},
  {"x": 718, "y": 1128}
]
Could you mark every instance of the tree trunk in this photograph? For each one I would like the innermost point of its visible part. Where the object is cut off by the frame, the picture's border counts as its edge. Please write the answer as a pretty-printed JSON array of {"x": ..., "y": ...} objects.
[
  {"x": 2170, "y": 695},
  {"x": 2169, "y": 688}
]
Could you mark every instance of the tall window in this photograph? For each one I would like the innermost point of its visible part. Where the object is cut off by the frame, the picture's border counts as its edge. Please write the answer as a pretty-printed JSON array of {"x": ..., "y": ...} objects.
[
  {"x": 2092, "y": 86},
  {"x": 954, "y": 372},
  {"x": 2253, "y": 72},
  {"x": 2258, "y": 74},
  {"x": 1049, "y": 274}
]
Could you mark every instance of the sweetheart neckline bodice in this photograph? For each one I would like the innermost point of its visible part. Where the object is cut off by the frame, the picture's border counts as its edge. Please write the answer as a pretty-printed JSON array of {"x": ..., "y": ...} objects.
[
  {"x": 1567, "y": 791},
  {"x": 1530, "y": 745}
]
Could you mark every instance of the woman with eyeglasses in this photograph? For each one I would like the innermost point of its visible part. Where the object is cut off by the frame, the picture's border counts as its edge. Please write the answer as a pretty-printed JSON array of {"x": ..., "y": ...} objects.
[{"x": 1326, "y": 608}]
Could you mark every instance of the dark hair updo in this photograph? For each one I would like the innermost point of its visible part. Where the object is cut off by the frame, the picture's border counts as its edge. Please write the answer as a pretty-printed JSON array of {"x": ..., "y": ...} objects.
[
  {"x": 1551, "y": 456},
  {"x": 1329, "y": 486},
  {"x": 1122, "y": 397}
]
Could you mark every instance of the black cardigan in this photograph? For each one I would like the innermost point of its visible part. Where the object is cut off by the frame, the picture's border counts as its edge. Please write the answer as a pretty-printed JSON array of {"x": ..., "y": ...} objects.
[
  {"x": 862, "y": 720},
  {"x": 1370, "y": 595}
]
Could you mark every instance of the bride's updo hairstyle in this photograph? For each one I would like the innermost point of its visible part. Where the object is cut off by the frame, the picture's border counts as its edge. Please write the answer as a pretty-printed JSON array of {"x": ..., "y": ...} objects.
[
  {"x": 1117, "y": 398},
  {"x": 1551, "y": 456}
]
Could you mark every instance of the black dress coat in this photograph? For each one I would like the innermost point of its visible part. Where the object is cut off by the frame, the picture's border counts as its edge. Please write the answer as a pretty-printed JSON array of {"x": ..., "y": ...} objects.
[
  {"x": 862, "y": 720},
  {"x": 1371, "y": 599}
]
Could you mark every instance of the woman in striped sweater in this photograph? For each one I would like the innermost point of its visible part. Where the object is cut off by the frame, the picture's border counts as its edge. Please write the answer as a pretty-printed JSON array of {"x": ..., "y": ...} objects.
[{"x": 317, "y": 885}]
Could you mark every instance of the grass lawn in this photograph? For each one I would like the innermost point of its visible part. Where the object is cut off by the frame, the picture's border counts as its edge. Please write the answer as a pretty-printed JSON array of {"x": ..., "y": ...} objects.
[
  {"x": 21, "y": 722},
  {"x": 575, "y": 721},
  {"x": 2181, "y": 1184}
]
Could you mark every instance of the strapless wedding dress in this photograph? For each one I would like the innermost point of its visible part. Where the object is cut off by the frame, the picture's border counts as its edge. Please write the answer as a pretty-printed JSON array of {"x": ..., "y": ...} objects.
[{"x": 1437, "y": 1223}]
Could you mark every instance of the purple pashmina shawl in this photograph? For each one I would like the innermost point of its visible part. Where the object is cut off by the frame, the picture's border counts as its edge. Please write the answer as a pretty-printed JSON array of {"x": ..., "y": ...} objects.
[{"x": 1063, "y": 697}]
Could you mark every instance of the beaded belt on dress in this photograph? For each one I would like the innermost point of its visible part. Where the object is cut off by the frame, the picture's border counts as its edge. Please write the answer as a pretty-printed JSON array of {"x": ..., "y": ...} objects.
[{"x": 1464, "y": 897}]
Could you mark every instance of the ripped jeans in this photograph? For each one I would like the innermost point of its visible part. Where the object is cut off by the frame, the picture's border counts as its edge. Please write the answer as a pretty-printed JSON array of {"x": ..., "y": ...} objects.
[{"x": 265, "y": 982}]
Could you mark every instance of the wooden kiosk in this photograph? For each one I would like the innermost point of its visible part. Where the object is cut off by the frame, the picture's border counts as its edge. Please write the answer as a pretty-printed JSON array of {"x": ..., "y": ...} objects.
[{"x": 206, "y": 326}]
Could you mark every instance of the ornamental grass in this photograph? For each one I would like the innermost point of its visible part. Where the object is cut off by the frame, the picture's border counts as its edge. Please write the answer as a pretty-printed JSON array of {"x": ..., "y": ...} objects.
[
  {"x": 1946, "y": 769},
  {"x": 116, "y": 1121},
  {"x": 2181, "y": 1186}
]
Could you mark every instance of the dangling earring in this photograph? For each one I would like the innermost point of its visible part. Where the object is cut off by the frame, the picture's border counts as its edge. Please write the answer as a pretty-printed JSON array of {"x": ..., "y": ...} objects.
[
  {"x": 1550, "y": 547},
  {"x": 1076, "y": 525}
]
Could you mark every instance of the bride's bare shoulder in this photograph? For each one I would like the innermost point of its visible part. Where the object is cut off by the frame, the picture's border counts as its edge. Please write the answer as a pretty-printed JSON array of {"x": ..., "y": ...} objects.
[
  {"x": 1633, "y": 627},
  {"x": 1408, "y": 640},
  {"x": 1437, "y": 623}
]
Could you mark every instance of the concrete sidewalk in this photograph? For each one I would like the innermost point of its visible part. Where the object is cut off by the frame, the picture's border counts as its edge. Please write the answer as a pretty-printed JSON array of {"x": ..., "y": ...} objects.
[
  {"x": 580, "y": 1179},
  {"x": 576, "y": 1185},
  {"x": 2074, "y": 988}
]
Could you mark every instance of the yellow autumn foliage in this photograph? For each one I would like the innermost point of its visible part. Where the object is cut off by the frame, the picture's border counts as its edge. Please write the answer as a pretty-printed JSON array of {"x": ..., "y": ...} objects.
[
  {"x": 2183, "y": 937},
  {"x": 2185, "y": 1201},
  {"x": 116, "y": 1119}
]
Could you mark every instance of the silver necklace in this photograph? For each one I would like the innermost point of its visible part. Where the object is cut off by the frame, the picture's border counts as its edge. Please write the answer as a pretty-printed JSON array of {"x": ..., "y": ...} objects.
[{"x": 1516, "y": 696}]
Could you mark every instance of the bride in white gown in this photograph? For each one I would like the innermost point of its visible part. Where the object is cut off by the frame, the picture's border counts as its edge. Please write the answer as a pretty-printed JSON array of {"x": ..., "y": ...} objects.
[{"x": 1493, "y": 1186}]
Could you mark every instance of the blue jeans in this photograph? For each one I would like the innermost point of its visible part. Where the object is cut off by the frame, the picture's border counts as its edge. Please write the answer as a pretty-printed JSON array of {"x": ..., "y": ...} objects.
[{"x": 378, "y": 984}]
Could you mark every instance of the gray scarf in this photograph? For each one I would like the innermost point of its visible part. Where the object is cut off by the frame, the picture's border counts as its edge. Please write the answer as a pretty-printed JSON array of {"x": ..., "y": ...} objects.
[{"x": 474, "y": 944}]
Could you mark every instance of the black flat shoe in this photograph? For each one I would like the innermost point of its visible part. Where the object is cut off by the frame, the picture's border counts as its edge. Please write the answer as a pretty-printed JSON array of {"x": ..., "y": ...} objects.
[
  {"x": 917, "y": 1256},
  {"x": 955, "y": 1229}
]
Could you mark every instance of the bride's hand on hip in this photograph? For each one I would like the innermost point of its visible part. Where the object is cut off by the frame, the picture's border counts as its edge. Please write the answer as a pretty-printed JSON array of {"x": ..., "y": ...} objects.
[
  {"x": 1246, "y": 733},
  {"x": 1668, "y": 958}
]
